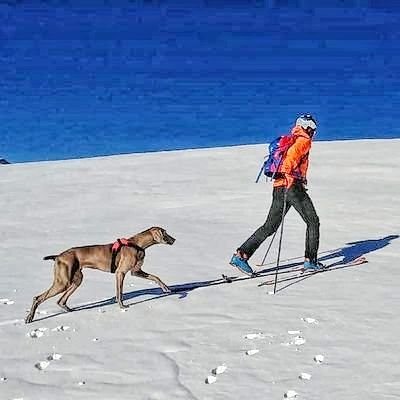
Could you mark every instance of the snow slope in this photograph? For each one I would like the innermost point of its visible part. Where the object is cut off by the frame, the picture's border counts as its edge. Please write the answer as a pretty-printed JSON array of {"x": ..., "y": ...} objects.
[{"x": 164, "y": 347}]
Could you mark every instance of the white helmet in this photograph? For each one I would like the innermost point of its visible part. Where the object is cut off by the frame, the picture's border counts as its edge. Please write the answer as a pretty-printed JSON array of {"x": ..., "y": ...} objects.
[{"x": 307, "y": 121}]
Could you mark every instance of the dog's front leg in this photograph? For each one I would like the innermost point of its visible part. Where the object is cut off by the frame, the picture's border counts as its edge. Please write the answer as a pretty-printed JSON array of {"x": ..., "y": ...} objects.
[
  {"x": 153, "y": 278},
  {"x": 120, "y": 276}
]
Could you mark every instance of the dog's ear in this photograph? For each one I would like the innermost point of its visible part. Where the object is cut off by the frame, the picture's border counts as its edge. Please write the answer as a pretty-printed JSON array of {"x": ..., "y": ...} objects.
[{"x": 157, "y": 235}]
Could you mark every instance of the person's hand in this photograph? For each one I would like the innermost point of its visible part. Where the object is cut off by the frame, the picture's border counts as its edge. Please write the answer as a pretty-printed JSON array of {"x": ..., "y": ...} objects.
[{"x": 289, "y": 181}]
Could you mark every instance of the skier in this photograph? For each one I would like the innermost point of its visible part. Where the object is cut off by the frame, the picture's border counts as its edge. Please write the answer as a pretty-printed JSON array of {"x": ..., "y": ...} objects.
[{"x": 289, "y": 190}]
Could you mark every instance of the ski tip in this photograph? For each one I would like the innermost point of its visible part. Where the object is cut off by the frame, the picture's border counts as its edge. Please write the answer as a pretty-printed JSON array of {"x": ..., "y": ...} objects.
[{"x": 359, "y": 260}]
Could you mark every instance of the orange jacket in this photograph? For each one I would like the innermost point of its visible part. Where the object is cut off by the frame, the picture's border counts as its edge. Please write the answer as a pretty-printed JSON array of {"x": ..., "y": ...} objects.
[{"x": 295, "y": 163}]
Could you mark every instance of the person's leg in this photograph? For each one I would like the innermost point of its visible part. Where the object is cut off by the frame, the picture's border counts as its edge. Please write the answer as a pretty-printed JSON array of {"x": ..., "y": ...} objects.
[
  {"x": 302, "y": 203},
  {"x": 270, "y": 226}
]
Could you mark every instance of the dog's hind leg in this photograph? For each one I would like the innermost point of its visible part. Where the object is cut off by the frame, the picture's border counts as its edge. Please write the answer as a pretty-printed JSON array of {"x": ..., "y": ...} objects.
[
  {"x": 153, "y": 278},
  {"x": 56, "y": 288},
  {"x": 60, "y": 284},
  {"x": 76, "y": 281}
]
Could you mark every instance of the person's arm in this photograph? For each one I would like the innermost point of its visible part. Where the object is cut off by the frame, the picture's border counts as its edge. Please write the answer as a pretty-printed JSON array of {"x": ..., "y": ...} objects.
[{"x": 293, "y": 158}]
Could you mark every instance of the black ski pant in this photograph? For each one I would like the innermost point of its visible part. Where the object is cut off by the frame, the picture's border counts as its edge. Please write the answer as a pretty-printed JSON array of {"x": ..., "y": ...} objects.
[{"x": 297, "y": 197}]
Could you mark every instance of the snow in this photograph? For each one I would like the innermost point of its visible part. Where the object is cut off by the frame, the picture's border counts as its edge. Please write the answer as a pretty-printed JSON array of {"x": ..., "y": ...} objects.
[{"x": 333, "y": 335}]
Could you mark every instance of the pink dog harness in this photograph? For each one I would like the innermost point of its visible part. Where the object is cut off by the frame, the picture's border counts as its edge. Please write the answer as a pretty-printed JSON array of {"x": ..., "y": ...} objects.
[
  {"x": 118, "y": 244},
  {"x": 116, "y": 247}
]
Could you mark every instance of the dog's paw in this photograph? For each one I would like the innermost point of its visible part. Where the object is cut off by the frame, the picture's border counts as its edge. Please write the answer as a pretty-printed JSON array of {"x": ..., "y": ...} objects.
[{"x": 65, "y": 308}]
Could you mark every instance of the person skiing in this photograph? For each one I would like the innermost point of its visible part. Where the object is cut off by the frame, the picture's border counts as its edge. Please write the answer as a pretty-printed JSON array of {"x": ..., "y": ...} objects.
[{"x": 288, "y": 190}]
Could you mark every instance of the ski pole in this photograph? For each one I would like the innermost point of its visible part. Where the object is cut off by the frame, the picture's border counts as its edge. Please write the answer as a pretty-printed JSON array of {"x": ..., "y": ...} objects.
[
  {"x": 280, "y": 239},
  {"x": 268, "y": 249},
  {"x": 259, "y": 174}
]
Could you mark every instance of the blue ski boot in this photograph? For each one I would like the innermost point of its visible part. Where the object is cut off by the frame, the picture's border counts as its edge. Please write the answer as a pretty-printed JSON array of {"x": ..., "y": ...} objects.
[
  {"x": 313, "y": 265},
  {"x": 239, "y": 262}
]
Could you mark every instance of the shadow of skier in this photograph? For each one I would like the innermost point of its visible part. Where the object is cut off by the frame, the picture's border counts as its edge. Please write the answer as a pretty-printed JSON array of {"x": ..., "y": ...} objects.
[
  {"x": 350, "y": 253},
  {"x": 358, "y": 249}
]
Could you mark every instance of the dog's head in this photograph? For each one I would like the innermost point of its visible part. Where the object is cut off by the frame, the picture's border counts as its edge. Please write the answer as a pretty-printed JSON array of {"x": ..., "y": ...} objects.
[{"x": 160, "y": 235}]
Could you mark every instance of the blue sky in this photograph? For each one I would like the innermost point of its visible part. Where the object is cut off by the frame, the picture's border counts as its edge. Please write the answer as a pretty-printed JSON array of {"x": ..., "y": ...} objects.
[{"x": 146, "y": 76}]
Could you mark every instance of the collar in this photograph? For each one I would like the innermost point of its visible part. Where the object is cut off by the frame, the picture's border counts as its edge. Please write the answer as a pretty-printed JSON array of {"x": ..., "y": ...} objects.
[{"x": 299, "y": 131}]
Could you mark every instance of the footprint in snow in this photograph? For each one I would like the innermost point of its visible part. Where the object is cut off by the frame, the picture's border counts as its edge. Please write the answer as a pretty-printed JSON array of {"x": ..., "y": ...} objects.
[
  {"x": 298, "y": 341},
  {"x": 310, "y": 320},
  {"x": 216, "y": 371},
  {"x": 319, "y": 358},
  {"x": 304, "y": 376},
  {"x": 37, "y": 333},
  {"x": 211, "y": 379},
  {"x": 54, "y": 356},
  {"x": 7, "y": 301},
  {"x": 219, "y": 370},
  {"x": 42, "y": 365},
  {"x": 252, "y": 352},
  {"x": 61, "y": 328},
  {"x": 294, "y": 332},
  {"x": 253, "y": 336}
]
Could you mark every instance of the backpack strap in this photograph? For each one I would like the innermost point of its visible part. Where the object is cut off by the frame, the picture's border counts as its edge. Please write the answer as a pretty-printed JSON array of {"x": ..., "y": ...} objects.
[
  {"x": 293, "y": 141},
  {"x": 290, "y": 141}
]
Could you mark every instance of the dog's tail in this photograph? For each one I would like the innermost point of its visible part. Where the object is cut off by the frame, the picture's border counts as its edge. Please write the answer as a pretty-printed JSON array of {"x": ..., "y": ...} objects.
[{"x": 52, "y": 257}]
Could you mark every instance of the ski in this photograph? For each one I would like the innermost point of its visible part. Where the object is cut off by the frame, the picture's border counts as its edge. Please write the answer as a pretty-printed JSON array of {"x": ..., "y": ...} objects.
[
  {"x": 292, "y": 259},
  {"x": 284, "y": 269},
  {"x": 260, "y": 274},
  {"x": 228, "y": 279},
  {"x": 301, "y": 273}
]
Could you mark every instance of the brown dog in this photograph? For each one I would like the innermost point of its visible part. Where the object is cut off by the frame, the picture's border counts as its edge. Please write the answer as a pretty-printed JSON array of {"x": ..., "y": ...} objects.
[{"x": 121, "y": 257}]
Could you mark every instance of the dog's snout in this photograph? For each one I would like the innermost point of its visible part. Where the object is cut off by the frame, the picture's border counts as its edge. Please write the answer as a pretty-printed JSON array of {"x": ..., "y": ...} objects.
[{"x": 168, "y": 239}]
